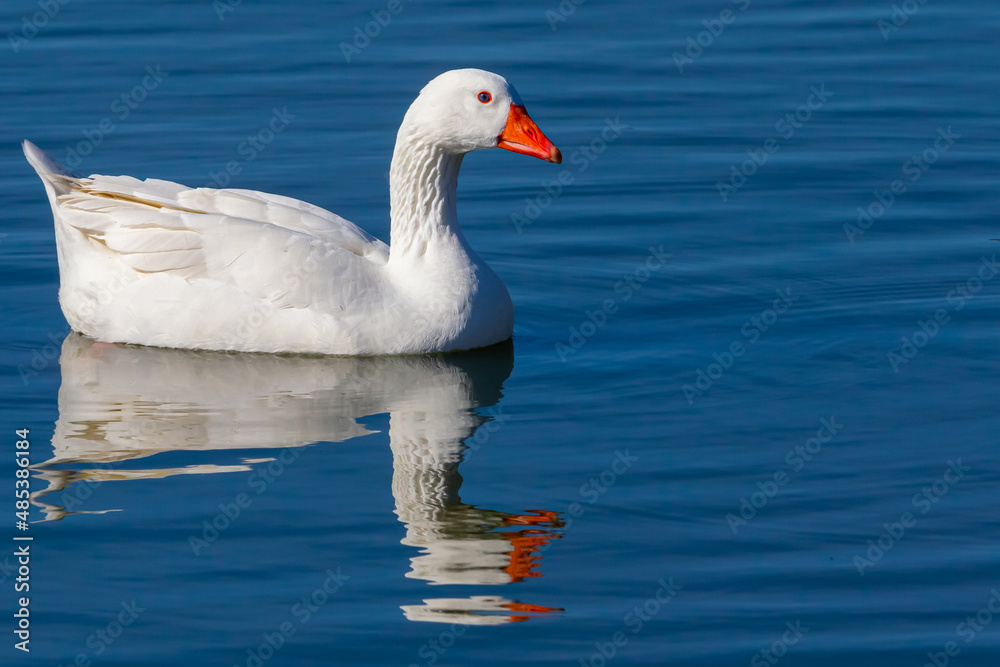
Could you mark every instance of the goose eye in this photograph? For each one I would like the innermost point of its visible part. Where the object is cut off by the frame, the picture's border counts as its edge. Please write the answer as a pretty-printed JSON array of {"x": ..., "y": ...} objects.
[{"x": 485, "y": 97}]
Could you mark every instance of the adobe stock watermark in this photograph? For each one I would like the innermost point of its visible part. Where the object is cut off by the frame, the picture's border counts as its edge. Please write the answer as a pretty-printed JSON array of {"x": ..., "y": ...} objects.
[
  {"x": 81, "y": 490},
  {"x": 634, "y": 621},
  {"x": 7, "y": 569},
  {"x": 714, "y": 28},
  {"x": 495, "y": 421},
  {"x": 301, "y": 612},
  {"x": 31, "y": 25},
  {"x": 465, "y": 611},
  {"x": 786, "y": 128},
  {"x": 251, "y": 147},
  {"x": 752, "y": 330},
  {"x": 898, "y": 17},
  {"x": 779, "y": 647},
  {"x": 259, "y": 481},
  {"x": 592, "y": 490},
  {"x": 363, "y": 35},
  {"x": 967, "y": 631},
  {"x": 121, "y": 108},
  {"x": 103, "y": 638},
  {"x": 434, "y": 649},
  {"x": 299, "y": 273},
  {"x": 42, "y": 356},
  {"x": 223, "y": 7},
  {"x": 927, "y": 329},
  {"x": 913, "y": 169},
  {"x": 626, "y": 287},
  {"x": 922, "y": 502},
  {"x": 562, "y": 13},
  {"x": 581, "y": 158},
  {"x": 796, "y": 459}
]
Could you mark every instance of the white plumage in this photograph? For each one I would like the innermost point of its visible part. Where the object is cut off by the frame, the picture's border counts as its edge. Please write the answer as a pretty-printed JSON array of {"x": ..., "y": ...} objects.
[{"x": 157, "y": 263}]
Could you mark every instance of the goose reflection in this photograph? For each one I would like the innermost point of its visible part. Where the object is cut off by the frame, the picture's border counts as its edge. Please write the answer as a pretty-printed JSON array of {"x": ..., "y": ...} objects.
[{"x": 119, "y": 404}]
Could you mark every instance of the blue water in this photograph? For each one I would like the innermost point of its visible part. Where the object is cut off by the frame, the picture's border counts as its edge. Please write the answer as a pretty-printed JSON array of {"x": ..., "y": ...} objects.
[{"x": 661, "y": 469}]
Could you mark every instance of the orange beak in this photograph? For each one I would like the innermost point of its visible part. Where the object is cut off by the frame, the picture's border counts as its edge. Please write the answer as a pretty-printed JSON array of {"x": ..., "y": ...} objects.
[{"x": 521, "y": 135}]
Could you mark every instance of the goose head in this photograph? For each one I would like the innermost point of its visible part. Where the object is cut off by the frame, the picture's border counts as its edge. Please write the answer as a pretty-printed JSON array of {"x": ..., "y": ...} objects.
[{"x": 470, "y": 109}]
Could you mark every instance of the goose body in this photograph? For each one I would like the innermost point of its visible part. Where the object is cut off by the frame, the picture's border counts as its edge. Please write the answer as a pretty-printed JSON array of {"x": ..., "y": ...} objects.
[{"x": 156, "y": 263}]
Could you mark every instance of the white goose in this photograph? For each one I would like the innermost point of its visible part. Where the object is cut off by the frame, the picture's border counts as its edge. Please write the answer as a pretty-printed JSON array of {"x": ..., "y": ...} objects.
[{"x": 157, "y": 263}]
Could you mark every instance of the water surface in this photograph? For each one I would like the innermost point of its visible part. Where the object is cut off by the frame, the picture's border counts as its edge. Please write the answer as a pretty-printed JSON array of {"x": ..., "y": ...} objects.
[{"x": 661, "y": 466}]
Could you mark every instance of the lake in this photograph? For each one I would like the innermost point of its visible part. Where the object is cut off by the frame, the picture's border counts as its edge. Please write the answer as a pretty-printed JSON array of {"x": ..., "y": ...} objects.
[{"x": 748, "y": 416}]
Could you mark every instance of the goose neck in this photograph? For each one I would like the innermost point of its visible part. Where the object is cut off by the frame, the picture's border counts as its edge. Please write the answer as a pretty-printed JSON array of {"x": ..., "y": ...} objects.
[{"x": 423, "y": 184}]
